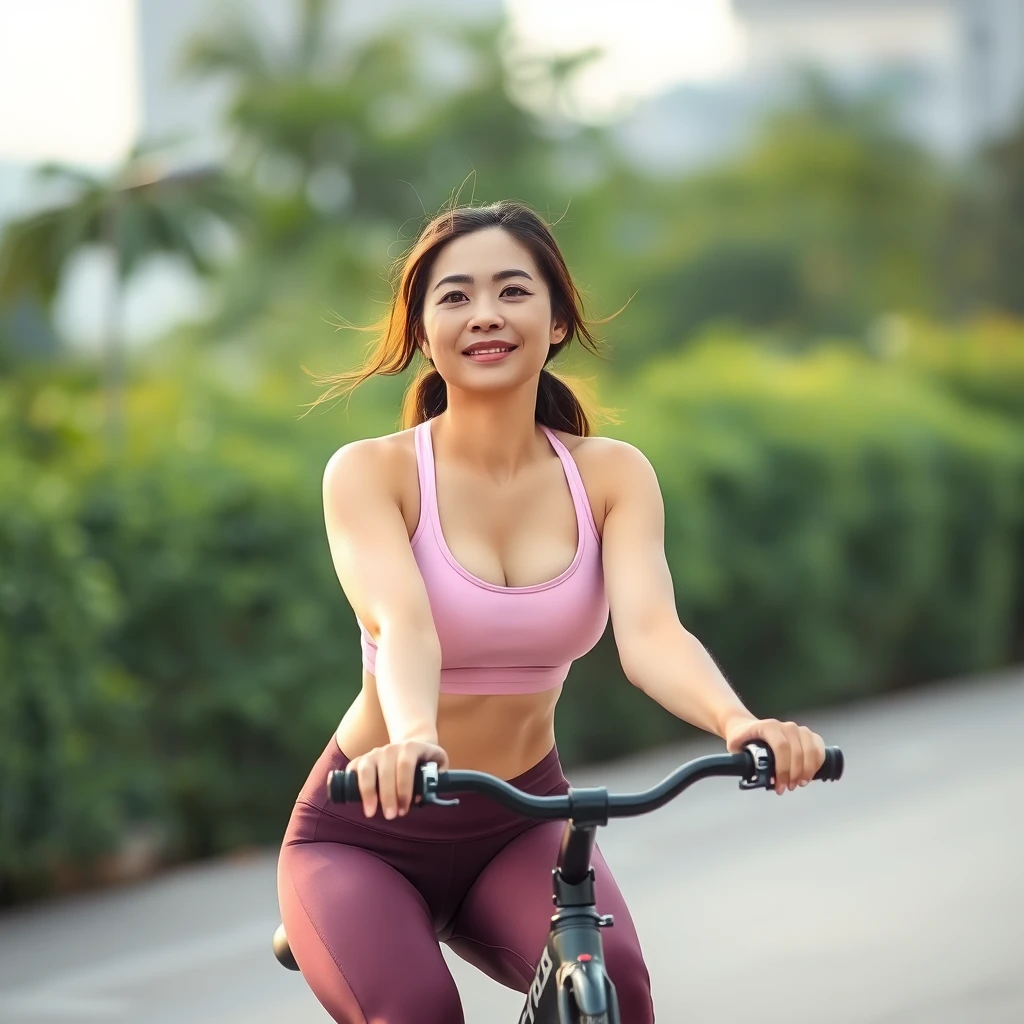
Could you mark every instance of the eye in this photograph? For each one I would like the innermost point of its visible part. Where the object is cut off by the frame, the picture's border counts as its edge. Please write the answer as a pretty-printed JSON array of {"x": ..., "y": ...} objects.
[
  {"x": 514, "y": 288},
  {"x": 451, "y": 295}
]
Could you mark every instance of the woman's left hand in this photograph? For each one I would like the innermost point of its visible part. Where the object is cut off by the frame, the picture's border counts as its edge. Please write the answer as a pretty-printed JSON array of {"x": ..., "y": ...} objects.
[{"x": 799, "y": 753}]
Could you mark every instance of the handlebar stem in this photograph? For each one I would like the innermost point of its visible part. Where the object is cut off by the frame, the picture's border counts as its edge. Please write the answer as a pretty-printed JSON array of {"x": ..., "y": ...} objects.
[{"x": 576, "y": 850}]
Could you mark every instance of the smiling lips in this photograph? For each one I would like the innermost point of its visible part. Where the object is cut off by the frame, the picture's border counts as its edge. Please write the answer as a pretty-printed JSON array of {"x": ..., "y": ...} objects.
[{"x": 488, "y": 351}]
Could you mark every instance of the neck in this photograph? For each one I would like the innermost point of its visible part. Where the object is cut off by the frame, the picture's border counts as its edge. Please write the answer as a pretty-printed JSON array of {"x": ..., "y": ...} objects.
[{"x": 494, "y": 434}]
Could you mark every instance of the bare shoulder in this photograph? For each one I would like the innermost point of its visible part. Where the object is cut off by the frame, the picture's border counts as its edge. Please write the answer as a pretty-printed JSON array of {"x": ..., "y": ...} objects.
[
  {"x": 370, "y": 466},
  {"x": 611, "y": 468}
]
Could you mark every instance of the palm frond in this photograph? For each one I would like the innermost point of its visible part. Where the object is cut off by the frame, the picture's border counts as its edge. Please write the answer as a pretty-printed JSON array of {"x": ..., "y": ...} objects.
[
  {"x": 234, "y": 48},
  {"x": 53, "y": 171}
]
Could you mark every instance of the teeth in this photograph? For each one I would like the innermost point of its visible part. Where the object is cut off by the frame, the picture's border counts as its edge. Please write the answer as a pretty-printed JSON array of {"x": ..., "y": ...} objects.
[{"x": 489, "y": 351}]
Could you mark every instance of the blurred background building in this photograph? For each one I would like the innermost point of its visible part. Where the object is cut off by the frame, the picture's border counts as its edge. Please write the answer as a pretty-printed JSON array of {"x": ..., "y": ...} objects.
[
  {"x": 952, "y": 69},
  {"x": 956, "y": 67}
]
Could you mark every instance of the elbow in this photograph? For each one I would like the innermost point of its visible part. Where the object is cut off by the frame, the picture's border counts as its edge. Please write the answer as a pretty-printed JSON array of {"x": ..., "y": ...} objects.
[
  {"x": 646, "y": 653},
  {"x": 632, "y": 659}
]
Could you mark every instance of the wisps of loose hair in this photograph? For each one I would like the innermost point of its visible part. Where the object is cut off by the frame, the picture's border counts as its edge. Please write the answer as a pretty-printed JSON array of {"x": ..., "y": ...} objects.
[{"x": 558, "y": 405}]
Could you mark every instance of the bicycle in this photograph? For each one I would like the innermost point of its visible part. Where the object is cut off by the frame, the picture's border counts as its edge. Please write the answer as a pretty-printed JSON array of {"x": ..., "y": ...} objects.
[{"x": 570, "y": 985}]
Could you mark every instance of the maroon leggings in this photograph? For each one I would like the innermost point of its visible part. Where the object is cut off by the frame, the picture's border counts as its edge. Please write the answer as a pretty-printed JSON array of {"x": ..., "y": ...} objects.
[{"x": 365, "y": 901}]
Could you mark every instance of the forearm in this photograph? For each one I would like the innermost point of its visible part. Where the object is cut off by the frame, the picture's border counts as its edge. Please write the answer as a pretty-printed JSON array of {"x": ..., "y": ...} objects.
[
  {"x": 673, "y": 667},
  {"x": 408, "y": 670}
]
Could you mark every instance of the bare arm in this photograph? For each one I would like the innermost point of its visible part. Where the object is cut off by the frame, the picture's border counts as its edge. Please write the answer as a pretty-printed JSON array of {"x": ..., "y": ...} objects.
[
  {"x": 658, "y": 654},
  {"x": 375, "y": 565}
]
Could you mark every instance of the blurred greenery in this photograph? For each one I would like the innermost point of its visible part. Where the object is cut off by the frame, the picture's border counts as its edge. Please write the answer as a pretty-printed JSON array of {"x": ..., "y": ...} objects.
[
  {"x": 137, "y": 212},
  {"x": 820, "y": 352}
]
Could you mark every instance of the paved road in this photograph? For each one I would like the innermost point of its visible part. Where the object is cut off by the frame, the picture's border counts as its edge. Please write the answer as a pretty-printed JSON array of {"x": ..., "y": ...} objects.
[{"x": 894, "y": 897}]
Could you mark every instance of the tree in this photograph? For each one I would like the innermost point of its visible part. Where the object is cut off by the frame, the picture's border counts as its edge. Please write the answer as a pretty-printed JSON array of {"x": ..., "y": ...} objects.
[
  {"x": 136, "y": 212},
  {"x": 349, "y": 140},
  {"x": 985, "y": 240}
]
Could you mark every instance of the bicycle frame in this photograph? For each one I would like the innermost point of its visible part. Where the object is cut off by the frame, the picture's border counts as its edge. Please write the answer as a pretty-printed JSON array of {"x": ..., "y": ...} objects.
[{"x": 571, "y": 978}]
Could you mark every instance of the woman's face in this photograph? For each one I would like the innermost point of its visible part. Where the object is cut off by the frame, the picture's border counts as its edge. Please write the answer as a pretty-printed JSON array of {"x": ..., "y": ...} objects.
[{"x": 487, "y": 313}]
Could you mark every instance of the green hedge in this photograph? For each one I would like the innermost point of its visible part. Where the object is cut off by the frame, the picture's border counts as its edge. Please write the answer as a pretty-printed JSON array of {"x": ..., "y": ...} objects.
[
  {"x": 981, "y": 363},
  {"x": 834, "y": 526},
  {"x": 172, "y": 636},
  {"x": 175, "y": 649},
  {"x": 70, "y": 717}
]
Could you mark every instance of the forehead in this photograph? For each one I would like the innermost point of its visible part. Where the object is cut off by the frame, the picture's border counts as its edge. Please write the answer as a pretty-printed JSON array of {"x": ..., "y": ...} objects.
[{"x": 482, "y": 253}]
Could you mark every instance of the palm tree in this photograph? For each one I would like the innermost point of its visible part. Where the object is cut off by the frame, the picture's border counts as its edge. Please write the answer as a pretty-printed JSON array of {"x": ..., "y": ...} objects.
[
  {"x": 365, "y": 114},
  {"x": 136, "y": 212},
  {"x": 308, "y": 102}
]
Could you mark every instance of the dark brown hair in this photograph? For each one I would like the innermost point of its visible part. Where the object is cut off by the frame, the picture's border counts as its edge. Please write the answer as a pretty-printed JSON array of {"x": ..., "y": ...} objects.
[{"x": 558, "y": 407}]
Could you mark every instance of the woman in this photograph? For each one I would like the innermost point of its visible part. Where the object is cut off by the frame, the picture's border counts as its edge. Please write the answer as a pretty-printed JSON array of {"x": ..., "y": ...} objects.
[{"x": 481, "y": 551}]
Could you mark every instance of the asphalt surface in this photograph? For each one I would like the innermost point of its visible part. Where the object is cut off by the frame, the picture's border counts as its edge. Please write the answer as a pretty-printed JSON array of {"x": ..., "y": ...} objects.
[{"x": 896, "y": 895}]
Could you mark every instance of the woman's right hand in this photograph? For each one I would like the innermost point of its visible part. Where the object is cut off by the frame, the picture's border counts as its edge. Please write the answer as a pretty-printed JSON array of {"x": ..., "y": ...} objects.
[{"x": 388, "y": 773}]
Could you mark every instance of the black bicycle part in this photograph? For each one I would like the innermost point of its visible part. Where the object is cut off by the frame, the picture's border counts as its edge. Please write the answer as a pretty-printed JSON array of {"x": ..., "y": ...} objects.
[
  {"x": 754, "y": 766},
  {"x": 571, "y": 984}
]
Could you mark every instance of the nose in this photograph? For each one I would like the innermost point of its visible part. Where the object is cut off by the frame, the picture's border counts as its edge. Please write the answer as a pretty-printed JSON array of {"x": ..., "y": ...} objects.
[{"x": 484, "y": 320}]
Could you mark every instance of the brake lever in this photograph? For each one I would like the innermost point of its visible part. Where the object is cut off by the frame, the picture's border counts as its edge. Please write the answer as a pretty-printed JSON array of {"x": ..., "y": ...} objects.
[
  {"x": 428, "y": 773},
  {"x": 764, "y": 766}
]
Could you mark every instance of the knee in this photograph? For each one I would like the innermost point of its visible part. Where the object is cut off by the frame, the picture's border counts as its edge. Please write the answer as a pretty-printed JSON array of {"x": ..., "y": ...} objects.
[{"x": 624, "y": 962}]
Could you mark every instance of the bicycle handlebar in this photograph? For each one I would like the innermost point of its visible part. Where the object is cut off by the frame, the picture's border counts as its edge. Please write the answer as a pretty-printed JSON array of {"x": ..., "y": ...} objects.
[{"x": 754, "y": 766}]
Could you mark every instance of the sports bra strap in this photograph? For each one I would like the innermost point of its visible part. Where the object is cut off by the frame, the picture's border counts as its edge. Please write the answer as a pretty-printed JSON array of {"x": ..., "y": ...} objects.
[
  {"x": 425, "y": 471},
  {"x": 584, "y": 513}
]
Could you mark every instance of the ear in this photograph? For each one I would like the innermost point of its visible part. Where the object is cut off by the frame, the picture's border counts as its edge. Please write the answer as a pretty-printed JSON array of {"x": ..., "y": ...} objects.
[
  {"x": 559, "y": 329},
  {"x": 423, "y": 345}
]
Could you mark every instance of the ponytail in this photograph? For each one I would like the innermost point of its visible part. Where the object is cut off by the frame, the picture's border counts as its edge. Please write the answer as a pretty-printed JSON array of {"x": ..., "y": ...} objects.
[{"x": 425, "y": 398}]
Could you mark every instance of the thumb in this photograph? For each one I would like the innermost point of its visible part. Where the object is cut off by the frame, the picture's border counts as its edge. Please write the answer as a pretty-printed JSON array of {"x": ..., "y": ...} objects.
[{"x": 738, "y": 740}]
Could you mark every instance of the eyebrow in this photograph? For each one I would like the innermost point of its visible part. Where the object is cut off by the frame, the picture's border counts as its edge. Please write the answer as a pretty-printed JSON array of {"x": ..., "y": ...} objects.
[{"x": 501, "y": 275}]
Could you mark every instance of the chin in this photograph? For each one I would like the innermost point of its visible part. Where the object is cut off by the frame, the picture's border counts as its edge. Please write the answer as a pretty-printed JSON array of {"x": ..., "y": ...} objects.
[{"x": 495, "y": 379}]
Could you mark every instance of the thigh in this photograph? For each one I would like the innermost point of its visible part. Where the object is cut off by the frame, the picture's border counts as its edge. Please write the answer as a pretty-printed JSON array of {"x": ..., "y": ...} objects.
[
  {"x": 503, "y": 923},
  {"x": 363, "y": 938}
]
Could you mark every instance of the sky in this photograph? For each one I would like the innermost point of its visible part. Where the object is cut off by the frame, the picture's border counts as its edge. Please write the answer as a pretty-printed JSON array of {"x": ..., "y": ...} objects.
[
  {"x": 649, "y": 45},
  {"x": 67, "y": 80},
  {"x": 68, "y": 74}
]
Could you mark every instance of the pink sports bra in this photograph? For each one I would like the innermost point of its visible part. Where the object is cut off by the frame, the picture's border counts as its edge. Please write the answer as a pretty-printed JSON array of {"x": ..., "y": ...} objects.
[{"x": 498, "y": 639}]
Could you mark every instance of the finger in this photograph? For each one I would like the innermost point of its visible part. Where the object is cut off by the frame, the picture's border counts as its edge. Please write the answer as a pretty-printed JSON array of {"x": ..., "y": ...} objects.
[
  {"x": 405, "y": 778},
  {"x": 796, "y": 754},
  {"x": 781, "y": 749},
  {"x": 386, "y": 785},
  {"x": 814, "y": 754},
  {"x": 366, "y": 772}
]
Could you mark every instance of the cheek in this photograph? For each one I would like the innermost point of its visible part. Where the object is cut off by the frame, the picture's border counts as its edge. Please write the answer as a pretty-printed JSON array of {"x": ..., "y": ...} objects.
[
  {"x": 440, "y": 325},
  {"x": 535, "y": 321}
]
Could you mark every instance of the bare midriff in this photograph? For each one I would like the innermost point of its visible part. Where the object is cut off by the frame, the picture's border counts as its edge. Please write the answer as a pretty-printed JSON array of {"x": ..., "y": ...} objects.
[{"x": 502, "y": 734}]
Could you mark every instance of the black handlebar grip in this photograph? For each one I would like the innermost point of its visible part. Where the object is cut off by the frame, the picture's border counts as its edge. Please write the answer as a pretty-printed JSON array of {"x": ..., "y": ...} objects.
[
  {"x": 343, "y": 787},
  {"x": 831, "y": 769}
]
